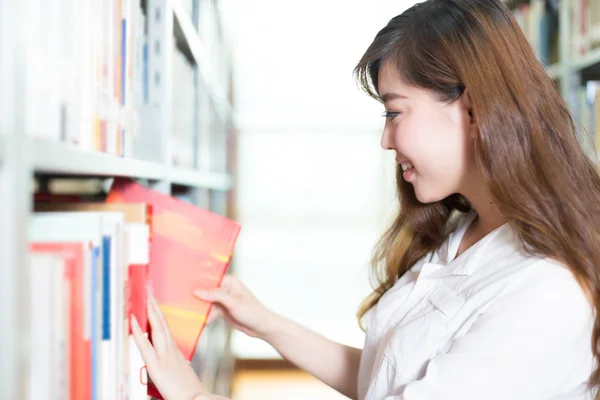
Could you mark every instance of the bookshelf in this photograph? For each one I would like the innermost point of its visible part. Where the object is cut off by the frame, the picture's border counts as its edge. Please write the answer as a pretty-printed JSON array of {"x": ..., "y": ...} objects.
[
  {"x": 187, "y": 34},
  {"x": 169, "y": 103},
  {"x": 590, "y": 59},
  {"x": 61, "y": 159},
  {"x": 554, "y": 71},
  {"x": 568, "y": 34}
]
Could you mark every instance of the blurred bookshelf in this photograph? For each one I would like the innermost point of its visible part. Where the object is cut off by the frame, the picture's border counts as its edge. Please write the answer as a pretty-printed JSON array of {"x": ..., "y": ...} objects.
[
  {"x": 565, "y": 35},
  {"x": 62, "y": 159},
  {"x": 95, "y": 90}
]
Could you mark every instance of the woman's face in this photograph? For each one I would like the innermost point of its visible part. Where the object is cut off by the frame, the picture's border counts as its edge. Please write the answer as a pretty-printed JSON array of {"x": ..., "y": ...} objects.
[{"x": 432, "y": 140}]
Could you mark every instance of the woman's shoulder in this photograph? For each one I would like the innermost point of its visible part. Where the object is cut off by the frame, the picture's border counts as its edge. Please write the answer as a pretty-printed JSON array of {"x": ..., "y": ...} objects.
[
  {"x": 550, "y": 292},
  {"x": 551, "y": 276}
]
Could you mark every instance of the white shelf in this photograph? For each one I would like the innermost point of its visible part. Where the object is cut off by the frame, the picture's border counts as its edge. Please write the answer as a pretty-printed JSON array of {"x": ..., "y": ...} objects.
[
  {"x": 193, "y": 178},
  {"x": 64, "y": 159},
  {"x": 587, "y": 60},
  {"x": 192, "y": 38},
  {"x": 554, "y": 70}
]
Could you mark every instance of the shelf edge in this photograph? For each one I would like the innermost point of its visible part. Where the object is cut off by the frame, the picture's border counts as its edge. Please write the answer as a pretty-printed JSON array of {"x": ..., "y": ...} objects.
[
  {"x": 554, "y": 71},
  {"x": 590, "y": 58},
  {"x": 200, "y": 179},
  {"x": 65, "y": 159}
]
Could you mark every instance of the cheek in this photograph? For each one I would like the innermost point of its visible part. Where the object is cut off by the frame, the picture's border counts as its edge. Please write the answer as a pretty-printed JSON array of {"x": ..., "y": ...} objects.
[{"x": 443, "y": 155}]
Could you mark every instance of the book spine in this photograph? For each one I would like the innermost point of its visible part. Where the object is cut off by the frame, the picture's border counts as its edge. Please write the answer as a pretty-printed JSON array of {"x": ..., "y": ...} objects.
[
  {"x": 40, "y": 312},
  {"x": 139, "y": 257},
  {"x": 124, "y": 81},
  {"x": 106, "y": 341},
  {"x": 60, "y": 333},
  {"x": 96, "y": 260}
]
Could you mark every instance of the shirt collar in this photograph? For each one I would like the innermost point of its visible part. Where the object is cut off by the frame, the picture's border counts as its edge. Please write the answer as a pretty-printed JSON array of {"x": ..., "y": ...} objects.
[{"x": 446, "y": 263}]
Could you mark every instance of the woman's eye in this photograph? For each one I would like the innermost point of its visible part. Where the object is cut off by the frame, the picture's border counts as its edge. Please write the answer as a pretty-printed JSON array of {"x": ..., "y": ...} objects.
[{"x": 390, "y": 114}]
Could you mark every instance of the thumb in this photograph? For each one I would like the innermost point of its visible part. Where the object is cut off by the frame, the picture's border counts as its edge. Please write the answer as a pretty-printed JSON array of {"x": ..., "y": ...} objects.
[{"x": 217, "y": 296}]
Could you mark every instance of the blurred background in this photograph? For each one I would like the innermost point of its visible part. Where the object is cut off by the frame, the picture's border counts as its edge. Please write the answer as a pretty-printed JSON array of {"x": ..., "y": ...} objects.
[
  {"x": 248, "y": 109},
  {"x": 314, "y": 188}
]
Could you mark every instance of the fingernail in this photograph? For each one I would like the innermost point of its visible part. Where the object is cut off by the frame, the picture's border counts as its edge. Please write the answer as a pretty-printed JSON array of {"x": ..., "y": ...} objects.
[
  {"x": 150, "y": 295},
  {"x": 202, "y": 293},
  {"x": 134, "y": 324}
]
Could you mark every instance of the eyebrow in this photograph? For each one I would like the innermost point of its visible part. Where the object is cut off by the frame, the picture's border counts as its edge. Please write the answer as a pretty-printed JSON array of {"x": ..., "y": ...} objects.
[{"x": 392, "y": 96}]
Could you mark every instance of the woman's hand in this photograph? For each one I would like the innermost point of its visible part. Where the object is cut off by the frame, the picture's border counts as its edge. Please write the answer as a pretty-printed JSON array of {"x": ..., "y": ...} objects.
[
  {"x": 240, "y": 308},
  {"x": 169, "y": 370}
]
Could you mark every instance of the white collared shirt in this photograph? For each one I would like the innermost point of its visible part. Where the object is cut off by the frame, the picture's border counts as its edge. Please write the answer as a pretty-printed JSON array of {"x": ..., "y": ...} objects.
[{"x": 492, "y": 323}]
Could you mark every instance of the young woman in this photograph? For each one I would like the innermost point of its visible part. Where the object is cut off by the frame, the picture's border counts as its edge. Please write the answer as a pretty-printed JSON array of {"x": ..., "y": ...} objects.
[{"x": 488, "y": 279}]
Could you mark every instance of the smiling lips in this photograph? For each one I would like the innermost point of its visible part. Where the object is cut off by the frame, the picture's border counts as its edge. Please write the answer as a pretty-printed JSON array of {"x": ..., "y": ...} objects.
[{"x": 407, "y": 168}]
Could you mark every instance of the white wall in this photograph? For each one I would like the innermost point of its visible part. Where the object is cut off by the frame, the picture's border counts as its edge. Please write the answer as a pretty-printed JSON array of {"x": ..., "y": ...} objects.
[{"x": 315, "y": 188}]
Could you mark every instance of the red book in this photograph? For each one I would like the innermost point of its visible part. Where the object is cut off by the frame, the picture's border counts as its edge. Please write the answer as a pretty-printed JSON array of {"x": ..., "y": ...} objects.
[
  {"x": 137, "y": 254},
  {"x": 80, "y": 349},
  {"x": 191, "y": 249}
]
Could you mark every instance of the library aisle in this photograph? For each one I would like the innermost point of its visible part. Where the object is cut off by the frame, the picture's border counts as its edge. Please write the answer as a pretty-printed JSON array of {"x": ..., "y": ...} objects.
[{"x": 143, "y": 140}]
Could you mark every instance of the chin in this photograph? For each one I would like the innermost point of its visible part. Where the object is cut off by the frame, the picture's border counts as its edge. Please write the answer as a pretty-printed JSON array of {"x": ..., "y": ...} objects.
[{"x": 426, "y": 197}]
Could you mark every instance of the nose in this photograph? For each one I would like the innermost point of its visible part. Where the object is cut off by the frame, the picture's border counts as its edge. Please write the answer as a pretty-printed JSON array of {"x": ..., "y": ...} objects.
[{"x": 387, "y": 139}]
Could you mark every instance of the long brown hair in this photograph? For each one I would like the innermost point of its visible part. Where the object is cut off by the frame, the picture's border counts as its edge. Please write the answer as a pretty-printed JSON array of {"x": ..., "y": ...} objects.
[{"x": 527, "y": 148}]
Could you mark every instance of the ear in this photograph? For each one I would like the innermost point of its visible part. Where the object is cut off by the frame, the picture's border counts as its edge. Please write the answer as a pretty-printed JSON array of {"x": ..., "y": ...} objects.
[
  {"x": 468, "y": 105},
  {"x": 468, "y": 109}
]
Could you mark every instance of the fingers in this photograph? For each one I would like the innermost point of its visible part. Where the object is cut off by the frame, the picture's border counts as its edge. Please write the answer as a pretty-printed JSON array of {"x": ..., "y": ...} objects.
[
  {"x": 234, "y": 285},
  {"x": 160, "y": 316},
  {"x": 157, "y": 330},
  {"x": 217, "y": 296},
  {"x": 161, "y": 334},
  {"x": 215, "y": 312},
  {"x": 230, "y": 282},
  {"x": 142, "y": 342}
]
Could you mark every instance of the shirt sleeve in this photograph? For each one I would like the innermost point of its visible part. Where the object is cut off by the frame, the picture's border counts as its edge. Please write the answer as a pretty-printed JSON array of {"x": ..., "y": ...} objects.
[{"x": 533, "y": 342}]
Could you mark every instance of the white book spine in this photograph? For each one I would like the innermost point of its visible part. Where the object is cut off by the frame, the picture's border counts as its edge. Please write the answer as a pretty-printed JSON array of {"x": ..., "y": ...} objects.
[
  {"x": 60, "y": 332},
  {"x": 53, "y": 66},
  {"x": 66, "y": 76},
  {"x": 121, "y": 323},
  {"x": 116, "y": 310},
  {"x": 86, "y": 65},
  {"x": 40, "y": 313},
  {"x": 34, "y": 95},
  {"x": 73, "y": 77},
  {"x": 138, "y": 253}
]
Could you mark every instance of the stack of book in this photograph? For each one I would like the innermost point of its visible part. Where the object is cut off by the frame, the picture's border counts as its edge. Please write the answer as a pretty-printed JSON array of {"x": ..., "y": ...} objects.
[
  {"x": 87, "y": 80},
  {"x": 538, "y": 20},
  {"x": 92, "y": 263}
]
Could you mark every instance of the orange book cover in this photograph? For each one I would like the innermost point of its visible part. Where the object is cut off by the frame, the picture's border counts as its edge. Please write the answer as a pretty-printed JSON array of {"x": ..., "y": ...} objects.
[
  {"x": 191, "y": 249},
  {"x": 80, "y": 349}
]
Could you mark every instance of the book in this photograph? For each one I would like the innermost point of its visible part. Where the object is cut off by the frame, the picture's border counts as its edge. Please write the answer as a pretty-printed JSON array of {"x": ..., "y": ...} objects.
[
  {"x": 49, "y": 317},
  {"x": 129, "y": 292},
  {"x": 73, "y": 256},
  {"x": 57, "y": 227},
  {"x": 191, "y": 249},
  {"x": 83, "y": 84}
]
